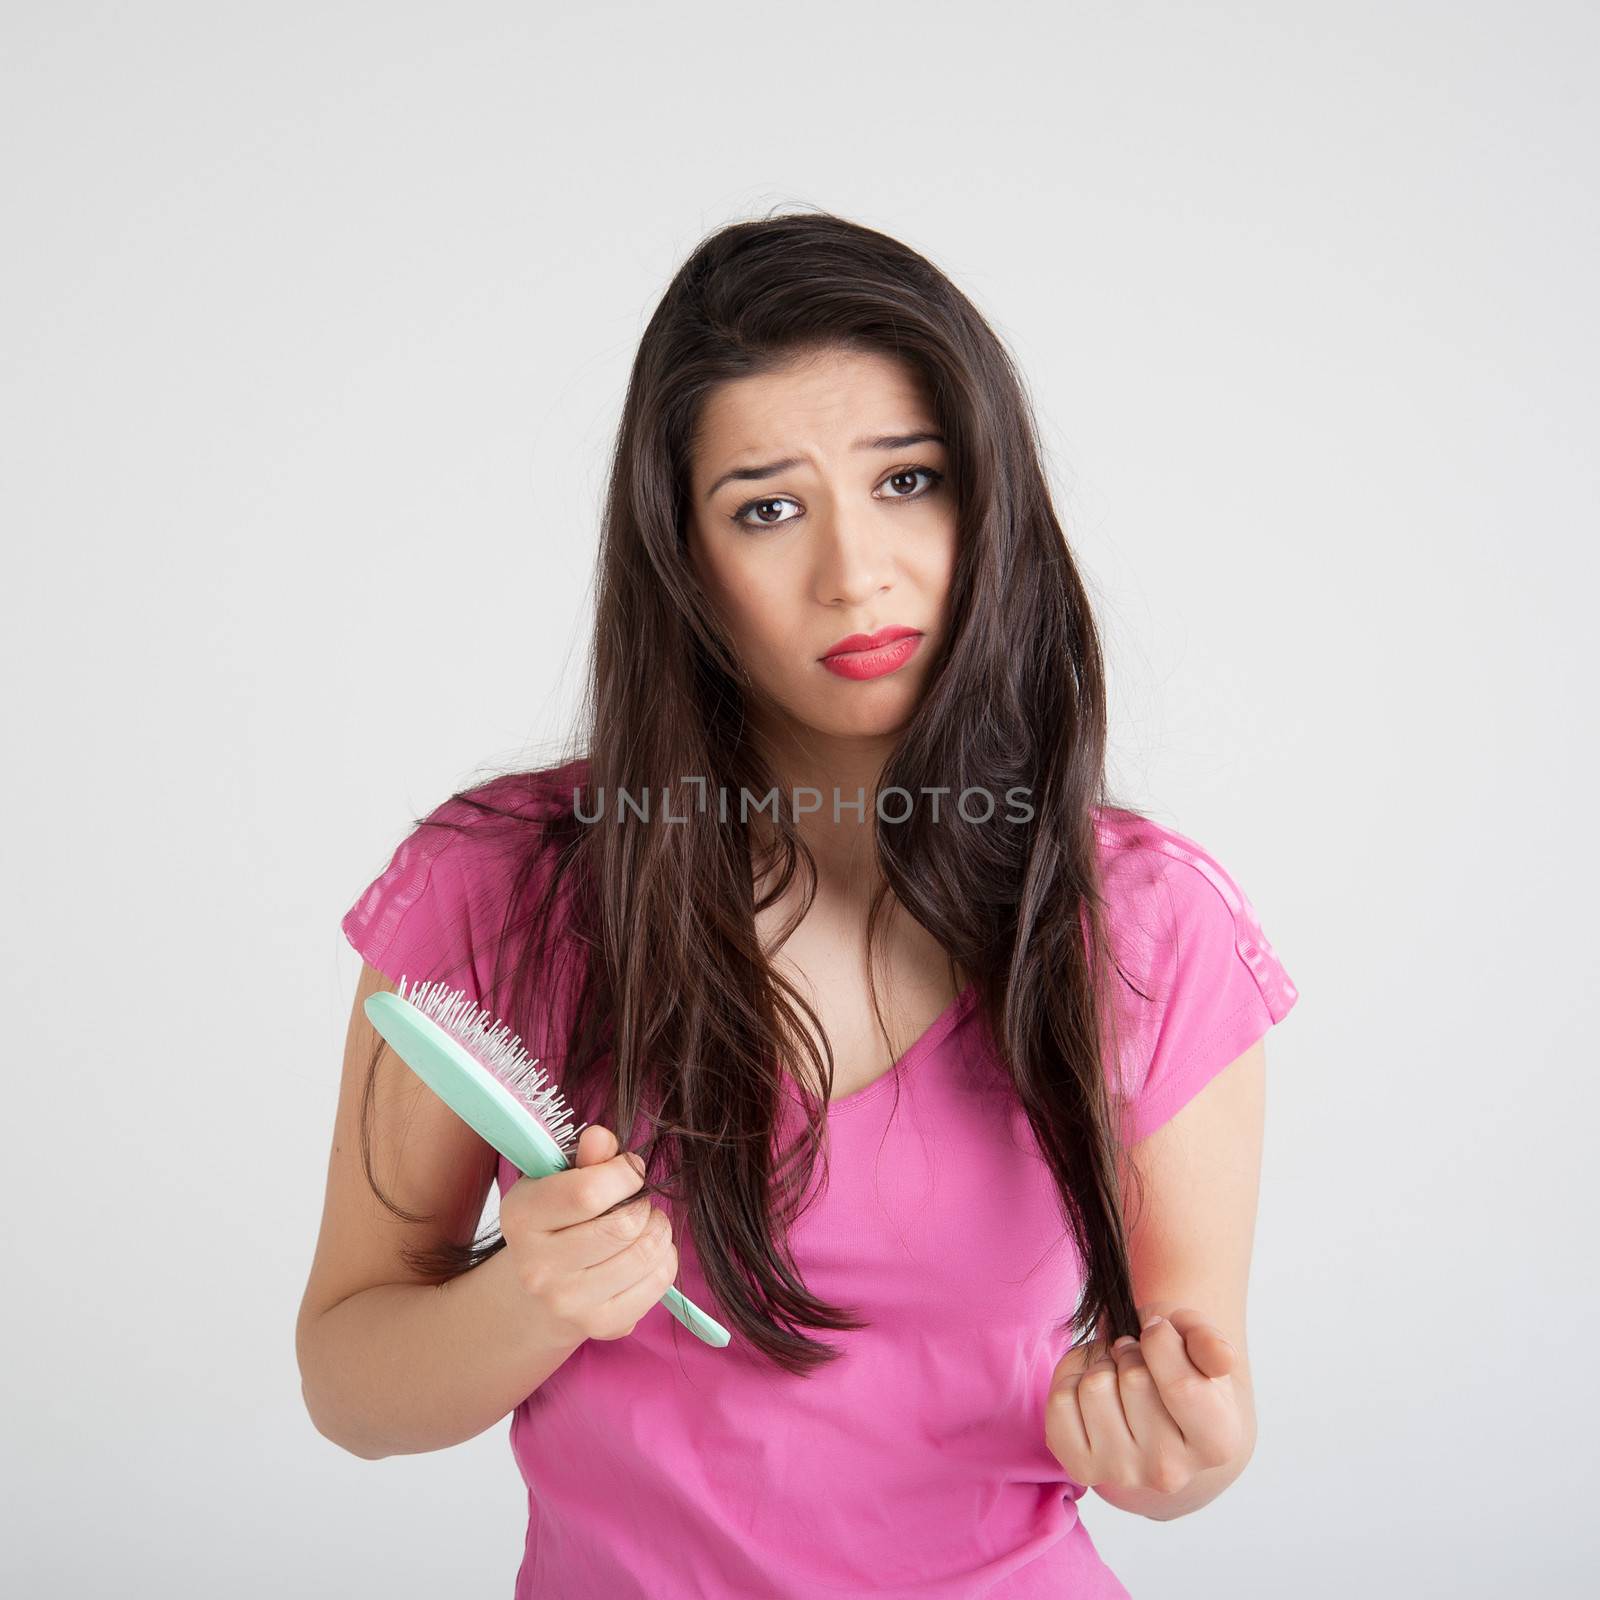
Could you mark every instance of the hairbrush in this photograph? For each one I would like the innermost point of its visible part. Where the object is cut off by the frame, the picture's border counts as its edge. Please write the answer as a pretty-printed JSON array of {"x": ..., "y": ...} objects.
[{"x": 479, "y": 1068}]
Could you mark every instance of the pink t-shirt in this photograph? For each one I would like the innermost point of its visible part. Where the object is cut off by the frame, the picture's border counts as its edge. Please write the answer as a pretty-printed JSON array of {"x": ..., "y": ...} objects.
[{"x": 660, "y": 1468}]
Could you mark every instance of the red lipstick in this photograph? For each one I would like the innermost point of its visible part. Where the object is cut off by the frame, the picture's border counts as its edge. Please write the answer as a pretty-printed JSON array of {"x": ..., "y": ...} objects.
[{"x": 871, "y": 655}]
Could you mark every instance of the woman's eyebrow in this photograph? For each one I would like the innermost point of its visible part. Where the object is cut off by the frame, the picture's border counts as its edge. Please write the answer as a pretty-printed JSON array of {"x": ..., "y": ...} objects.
[{"x": 882, "y": 441}]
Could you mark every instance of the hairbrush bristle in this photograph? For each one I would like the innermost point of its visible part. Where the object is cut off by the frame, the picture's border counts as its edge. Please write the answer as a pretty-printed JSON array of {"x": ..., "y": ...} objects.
[{"x": 494, "y": 1047}]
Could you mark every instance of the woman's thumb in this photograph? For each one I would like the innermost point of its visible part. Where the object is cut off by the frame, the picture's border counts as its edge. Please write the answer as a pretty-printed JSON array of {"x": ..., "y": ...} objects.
[{"x": 595, "y": 1144}]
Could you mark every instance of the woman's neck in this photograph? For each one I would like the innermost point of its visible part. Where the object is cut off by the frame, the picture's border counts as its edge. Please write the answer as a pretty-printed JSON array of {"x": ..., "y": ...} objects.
[{"x": 841, "y": 775}]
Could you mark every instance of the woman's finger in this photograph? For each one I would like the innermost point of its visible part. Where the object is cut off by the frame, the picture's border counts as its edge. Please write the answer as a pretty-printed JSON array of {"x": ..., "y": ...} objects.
[
  {"x": 1068, "y": 1438},
  {"x": 1204, "y": 1342},
  {"x": 1110, "y": 1440},
  {"x": 1202, "y": 1408},
  {"x": 1156, "y": 1435}
]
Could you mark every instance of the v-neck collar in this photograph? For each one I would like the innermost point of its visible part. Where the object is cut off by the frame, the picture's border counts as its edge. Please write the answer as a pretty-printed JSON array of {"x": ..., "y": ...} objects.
[{"x": 922, "y": 1046}]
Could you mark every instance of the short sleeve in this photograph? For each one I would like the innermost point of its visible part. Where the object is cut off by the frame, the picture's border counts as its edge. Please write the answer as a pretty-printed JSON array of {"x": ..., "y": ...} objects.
[
  {"x": 1214, "y": 982},
  {"x": 428, "y": 917}
]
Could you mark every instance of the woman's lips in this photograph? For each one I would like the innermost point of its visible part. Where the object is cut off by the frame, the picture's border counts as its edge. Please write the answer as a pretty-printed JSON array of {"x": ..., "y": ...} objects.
[
  {"x": 876, "y": 662},
  {"x": 875, "y": 640}
]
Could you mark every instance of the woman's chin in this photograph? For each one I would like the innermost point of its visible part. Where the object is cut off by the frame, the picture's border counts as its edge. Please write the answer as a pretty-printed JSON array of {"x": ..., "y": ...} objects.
[
  {"x": 881, "y": 722},
  {"x": 880, "y": 716}
]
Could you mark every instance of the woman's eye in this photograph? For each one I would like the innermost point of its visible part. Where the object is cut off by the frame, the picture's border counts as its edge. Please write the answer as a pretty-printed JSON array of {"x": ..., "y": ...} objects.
[
  {"x": 743, "y": 514},
  {"x": 744, "y": 511},
  {"x": 912, "y": 472}
]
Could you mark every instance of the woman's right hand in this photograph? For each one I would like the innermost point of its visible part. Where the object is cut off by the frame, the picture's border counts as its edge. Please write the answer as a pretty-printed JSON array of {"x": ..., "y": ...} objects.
[{"x": 590, "y": 1272}]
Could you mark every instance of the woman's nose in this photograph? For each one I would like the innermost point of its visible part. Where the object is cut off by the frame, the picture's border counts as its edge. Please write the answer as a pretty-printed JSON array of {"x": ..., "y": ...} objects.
[{"x": 852, "y": 565}]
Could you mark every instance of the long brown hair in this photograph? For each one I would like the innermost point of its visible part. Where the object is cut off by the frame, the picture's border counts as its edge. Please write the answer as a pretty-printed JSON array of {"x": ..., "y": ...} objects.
[{"x": 680, "y": 1022}]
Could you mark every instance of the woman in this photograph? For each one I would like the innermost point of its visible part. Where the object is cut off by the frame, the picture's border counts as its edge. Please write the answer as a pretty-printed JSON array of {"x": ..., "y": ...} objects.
[{"x": 924, "y": 1045}]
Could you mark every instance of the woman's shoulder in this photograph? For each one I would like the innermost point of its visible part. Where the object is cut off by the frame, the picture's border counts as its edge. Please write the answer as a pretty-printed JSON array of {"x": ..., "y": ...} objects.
[
  {"x": 1160, "y": 885},
  {"x": 1174, "y": 907},
  {"x": 1203, "y": 981},
  {"x": 442, "y": 895},
  {"x": 540, "y": 794},
  {"x": 1137, "y": 852}
]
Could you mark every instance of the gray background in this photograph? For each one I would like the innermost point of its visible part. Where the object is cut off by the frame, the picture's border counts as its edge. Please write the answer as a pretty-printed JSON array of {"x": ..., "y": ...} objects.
[{"x": 316, "y": 321}]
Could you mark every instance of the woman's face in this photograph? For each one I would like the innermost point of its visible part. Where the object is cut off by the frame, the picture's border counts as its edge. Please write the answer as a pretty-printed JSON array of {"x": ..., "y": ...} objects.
[{"x": 818, "y": 514}]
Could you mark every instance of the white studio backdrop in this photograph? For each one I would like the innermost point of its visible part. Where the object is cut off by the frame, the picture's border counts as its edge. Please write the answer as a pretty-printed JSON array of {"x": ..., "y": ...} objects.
[{"x": 316, "y": 321}]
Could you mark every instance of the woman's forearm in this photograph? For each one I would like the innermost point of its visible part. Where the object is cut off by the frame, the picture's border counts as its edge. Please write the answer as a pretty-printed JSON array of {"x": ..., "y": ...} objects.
[{"x": 400, "y": 1369}]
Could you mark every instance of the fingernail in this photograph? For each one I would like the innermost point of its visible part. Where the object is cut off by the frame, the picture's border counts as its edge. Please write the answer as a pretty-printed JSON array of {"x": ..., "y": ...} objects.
[
  {"x": 1151, "y": 1322},
  {"x": 1124, "y": 1342}
]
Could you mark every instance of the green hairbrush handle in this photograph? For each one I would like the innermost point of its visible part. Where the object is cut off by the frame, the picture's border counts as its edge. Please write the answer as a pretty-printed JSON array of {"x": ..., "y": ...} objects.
[{"x": 475, "y": 1091}]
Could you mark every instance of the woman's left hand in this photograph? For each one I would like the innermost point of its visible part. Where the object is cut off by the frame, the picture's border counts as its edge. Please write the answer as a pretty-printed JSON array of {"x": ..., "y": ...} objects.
[{"x": 1152, "y": 1415}]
